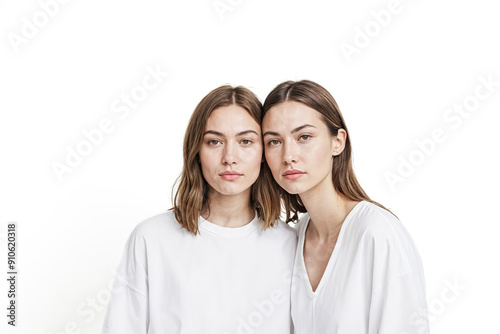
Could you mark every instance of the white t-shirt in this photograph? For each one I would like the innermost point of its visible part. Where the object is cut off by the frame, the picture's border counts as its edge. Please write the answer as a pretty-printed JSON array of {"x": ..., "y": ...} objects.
[
  {"x": 373, "y": 283},
  {"x": 221, "y": 281}
]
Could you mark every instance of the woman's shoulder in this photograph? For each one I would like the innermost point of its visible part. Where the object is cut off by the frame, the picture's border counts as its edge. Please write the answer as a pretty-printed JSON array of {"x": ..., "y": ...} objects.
[
  {"x": 379, "y": 229},
  {"x": 385, "y": 240},
  {"x": 160, "y": 224},
  {"x": 374, "y": 221},
  {"x": 282, "y": 229}
]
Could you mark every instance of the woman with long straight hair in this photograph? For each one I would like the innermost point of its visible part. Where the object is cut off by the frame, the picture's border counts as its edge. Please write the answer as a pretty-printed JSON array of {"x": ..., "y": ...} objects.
[
  {"x": 356, "y": 270},
  {"x": 219, "y": 261}
]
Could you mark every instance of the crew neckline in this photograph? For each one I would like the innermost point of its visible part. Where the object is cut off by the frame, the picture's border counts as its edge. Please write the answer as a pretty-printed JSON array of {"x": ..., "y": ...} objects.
[{"x": 228, "y": 232}]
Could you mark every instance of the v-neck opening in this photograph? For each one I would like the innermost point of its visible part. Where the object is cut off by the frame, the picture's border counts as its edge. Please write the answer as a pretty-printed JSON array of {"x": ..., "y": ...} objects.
[{"x": 333, "y": 256}]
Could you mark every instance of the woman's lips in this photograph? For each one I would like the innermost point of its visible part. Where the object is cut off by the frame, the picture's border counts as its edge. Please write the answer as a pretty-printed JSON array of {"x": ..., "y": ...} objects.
[
  {"x": 230, "y": 175},
  {"x": 293, "y": 174}
]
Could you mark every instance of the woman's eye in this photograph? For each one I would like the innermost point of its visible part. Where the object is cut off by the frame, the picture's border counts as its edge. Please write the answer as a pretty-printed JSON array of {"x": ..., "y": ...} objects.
[
  {"x": 273, "y": 142},
  {"x": 213, "y": 142},
  {"x": 304, "y": 137},
  {"x": 246, "y": 141}
]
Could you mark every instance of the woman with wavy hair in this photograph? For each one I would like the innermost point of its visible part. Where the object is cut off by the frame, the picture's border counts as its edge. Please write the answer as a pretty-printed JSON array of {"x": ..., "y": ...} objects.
[
  {"x": 356, "y": 270},
  {"x": 219, "y": 261}
]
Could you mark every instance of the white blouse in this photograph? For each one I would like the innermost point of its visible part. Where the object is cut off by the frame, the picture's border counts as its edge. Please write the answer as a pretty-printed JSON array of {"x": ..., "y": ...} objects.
[{"x": 373, "y": 282}]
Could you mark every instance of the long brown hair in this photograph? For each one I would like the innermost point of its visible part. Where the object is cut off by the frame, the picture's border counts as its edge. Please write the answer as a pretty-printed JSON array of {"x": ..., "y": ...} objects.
[
  {"x": 191, "y": 196},
  {"x": 318, "y": 98}
]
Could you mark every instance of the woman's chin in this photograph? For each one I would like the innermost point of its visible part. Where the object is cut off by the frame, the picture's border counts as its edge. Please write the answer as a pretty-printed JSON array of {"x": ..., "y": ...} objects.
[{"x": 292, "y": 189}]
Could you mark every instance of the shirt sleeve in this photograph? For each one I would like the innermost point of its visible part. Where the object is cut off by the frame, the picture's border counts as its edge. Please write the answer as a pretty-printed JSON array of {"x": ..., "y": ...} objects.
[
  {"x": 128, "y": 308},
  {"x": 398, "y": 302},
  {"x": 400, "y": 307}
]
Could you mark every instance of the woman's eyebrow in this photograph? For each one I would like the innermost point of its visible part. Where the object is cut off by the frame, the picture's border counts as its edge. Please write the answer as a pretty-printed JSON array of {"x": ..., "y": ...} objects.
[
  {"x": 217, "y": 133},
  {"x": 272, "y": 133},
  {"x": 302, "y": 127},
  {"x": 242, "y": 133}
]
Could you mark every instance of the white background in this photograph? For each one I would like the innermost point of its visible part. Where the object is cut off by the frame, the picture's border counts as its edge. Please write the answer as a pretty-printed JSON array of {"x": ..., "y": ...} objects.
[{"x": 65, "y": 75}]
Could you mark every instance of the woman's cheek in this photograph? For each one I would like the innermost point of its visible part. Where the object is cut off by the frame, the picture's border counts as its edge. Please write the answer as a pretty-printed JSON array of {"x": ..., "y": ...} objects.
[{"x": 270, "y": 158}]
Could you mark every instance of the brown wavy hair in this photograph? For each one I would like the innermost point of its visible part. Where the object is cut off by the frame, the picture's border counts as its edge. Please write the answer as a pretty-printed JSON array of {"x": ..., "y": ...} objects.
[
  {"x": 191, "y": 196},
  {"x": 318, "y": 98}
]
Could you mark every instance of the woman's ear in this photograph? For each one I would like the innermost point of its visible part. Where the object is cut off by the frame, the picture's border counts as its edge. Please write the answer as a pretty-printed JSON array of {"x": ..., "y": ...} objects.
[{"x": 338, "y": 142}]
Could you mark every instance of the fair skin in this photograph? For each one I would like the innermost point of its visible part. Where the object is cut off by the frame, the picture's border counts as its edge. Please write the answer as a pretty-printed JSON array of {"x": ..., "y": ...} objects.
[
  {"x": 299, "y": 150},
  {"x": 230, "y": 158}
]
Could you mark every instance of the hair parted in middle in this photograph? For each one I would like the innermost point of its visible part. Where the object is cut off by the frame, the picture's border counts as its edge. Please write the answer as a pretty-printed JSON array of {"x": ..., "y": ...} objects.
[
  {"x": 318, "y": 98},
  {"x": 191, "y": 197}
]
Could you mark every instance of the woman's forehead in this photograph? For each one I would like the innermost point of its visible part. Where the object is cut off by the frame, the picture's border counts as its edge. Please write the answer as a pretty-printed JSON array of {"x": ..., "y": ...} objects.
[
  {"x": 231, "y": 118},
  {"x": 290, "y": 114}
]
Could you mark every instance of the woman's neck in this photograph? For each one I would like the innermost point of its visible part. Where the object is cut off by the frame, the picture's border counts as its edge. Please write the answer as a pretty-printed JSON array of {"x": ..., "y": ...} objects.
[
  {"x": 229, "y": 210},
  {"x": 327, "y": 209}
]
